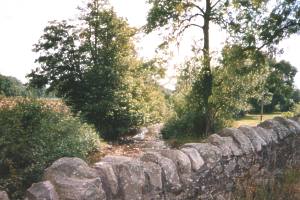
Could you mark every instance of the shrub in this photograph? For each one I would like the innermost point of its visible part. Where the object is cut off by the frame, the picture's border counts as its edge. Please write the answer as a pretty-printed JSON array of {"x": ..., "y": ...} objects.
[
  {"x": 10, "y": 86},
  {"x": 32, "y": 137},
  {"x": 288, "y": 114},
  {"x": 296, "y": 110}
]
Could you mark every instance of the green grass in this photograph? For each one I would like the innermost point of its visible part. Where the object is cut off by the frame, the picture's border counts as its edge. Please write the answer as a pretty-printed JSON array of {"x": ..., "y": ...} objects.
[
  {"x": 249, "y": 119},
  {"x": 284, "y": 187},
  {"x": 178, "y": 141},
  {"x": 253, "y": 119}
]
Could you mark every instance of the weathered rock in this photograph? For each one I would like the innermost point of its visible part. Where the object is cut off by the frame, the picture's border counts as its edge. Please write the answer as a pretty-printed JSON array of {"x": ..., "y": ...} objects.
[
  {"x": 73, "y": 189},
  {"x": 268, "y": 135},
  {"x": 226, "y": 144},
  {"x": 74, "y": 179},
  {"x": 70, "y": 167},
  {"x": 153, "y": 174},
  {"x": 281, "y": 131},
  {"x": 140, "y": 136},
  {"x": 116, "y": 159},
  {"x": 182, "y": 163},
  {"x": 219, "y": 141},
  {"x": 41, "y": 191},
  {"x": 210, "y": 153},
  {"x": 196, "y": 160},
  {"x": 296, "y": 118},
  {"x": 108, "y": 177},
  {"x": 295, "y": 124},
  {"x": 291, "y": 125},
  {"x": 131, "y": 180},
  {"x": 230, "y": 167},
  {"x": 3, "y": 195},
  {"x": 238, "y": 136},
  {"x": 256, "y": 140},
  {"x": 170, "y": 174}
]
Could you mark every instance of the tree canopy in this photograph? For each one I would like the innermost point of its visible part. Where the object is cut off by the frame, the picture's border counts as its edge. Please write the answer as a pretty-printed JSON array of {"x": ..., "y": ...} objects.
[
  {"x": 279, "y": 85},
  {"x": 10, "y": 86},
  {"x": 93, "y": 65},
  {"x": 254, "y": 26}
]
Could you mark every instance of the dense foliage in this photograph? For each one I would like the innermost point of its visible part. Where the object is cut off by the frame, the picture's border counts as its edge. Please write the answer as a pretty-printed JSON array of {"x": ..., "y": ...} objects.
[
  {"x": 279, "y": 86},
  {"x": 32, "y": 137},
  {"x": 93, "y": 65},
  {"x": 255, "y": 26},
  {"x": 236, "y": 79},
  {"x": 10, "y": 86}
]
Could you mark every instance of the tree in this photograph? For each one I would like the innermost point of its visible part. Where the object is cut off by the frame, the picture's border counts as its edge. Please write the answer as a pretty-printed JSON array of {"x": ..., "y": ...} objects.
[
  {"x": 94, "y": 67},
  {"x": 238, "y": 78},
  {"x": 10, "y": 86},
  {"x": 280, "y": 85},
  {"x": 296, "y": 96},
  {"x": 247, "y": 21}
]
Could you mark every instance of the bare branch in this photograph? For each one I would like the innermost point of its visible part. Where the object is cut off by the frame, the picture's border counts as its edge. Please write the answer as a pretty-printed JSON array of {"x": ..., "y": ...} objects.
[
  {"x": 215, "y": 4},
  {"x": 189, "y": 19},
  {"x": 196, "y": 6},
  {"x": 187, "y": 26}
]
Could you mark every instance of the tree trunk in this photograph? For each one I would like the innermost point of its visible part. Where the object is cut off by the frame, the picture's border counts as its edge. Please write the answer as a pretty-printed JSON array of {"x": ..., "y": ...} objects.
[
  {"x": 261, "y": 108},
  {"x": 207, "y": 74}
]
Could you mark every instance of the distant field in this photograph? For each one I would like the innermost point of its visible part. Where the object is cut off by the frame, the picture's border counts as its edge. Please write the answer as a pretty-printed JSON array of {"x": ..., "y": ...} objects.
[{"x": 253, "y": 120}]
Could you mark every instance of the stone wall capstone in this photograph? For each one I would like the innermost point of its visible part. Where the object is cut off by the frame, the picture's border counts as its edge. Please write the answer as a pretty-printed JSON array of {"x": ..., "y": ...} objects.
[{"x": 208, "y": 170}]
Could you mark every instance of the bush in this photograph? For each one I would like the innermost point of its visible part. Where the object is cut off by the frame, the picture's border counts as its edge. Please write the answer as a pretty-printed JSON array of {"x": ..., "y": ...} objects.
[
  {"x": 10, "y": 86},
  {"x": 186, "y": 125},
  {"x": 288, "y": 114},
  {"x": 32, "y": 137},
  {"x": 296, "y": 110}
]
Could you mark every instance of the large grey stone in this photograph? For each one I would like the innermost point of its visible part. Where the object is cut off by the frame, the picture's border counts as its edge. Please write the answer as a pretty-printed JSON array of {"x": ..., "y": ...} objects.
[
  {"x": 219, "y": 141},
  {"x": 153, "y": 174},
  {"x": 70, "y": 167},
  {"x": 116, "y": 159},
  {"x": 210, "y": 153},
  {"x": 256, "y": 140},
  {"x": 141, "y": 133},
  {"x": 226, "y": 144},
  {"x": 108, "y": 177},
  {"x": 295, "y": 124},
  {"x": 296, "y": 119},
  {"x": 182, "y": 163},
  {"x": 281, "y": 131},
  {"x": 291, "y": 125},
  {"x": 268, "y": 135},
  {"x": 229, "y": 168},
  {"x": 3, "y": 195},
  {"x": 41, "y": 191},
  {"x": 168, "y": 168},
  {"x": 74, "y": 179},
  {"x": 238, "y": 136},
  {"x": 131, "y": 180},
  {"x": 153, "y": 181},
  {"x": 196, "y": 160},
  {"x": 85, "y": 189}
]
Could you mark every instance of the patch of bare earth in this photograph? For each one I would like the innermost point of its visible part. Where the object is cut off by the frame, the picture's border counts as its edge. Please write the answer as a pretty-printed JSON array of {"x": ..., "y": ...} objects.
[{"x": 131, "y": 147}]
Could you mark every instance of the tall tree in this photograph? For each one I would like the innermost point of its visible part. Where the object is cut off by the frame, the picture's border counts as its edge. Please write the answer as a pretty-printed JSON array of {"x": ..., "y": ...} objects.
[
  {"x": 10, "y": 86},
  {"x": 279, "y": 85},
  {"x": 92, "y": 64},
  {"x": 247, "y": 21}
]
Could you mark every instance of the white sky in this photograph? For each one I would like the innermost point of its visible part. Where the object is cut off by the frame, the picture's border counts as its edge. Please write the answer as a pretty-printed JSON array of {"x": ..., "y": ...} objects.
[{"x": 22, "y": 23}]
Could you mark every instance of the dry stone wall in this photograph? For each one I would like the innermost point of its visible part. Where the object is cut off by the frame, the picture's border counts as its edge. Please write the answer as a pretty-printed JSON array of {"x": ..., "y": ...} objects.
[{"x": 207, "y": 170}]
